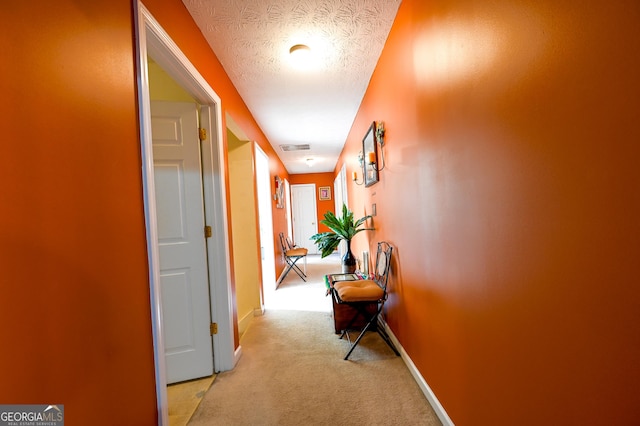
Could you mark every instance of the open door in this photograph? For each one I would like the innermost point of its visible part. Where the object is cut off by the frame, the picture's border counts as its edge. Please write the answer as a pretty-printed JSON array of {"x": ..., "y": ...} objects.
[
  {"x": 154, "y": 42},
  {"x": 184, "y": 275}
]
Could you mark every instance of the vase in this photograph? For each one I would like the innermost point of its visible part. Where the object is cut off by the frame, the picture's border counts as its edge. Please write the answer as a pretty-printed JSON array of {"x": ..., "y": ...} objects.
[{"x": 348, "y": 260}]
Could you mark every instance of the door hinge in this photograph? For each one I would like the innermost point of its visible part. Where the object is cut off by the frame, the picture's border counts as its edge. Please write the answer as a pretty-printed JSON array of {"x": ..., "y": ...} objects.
[
  {"x": 203, "y": 134},
  {"x": 207, "y": 232},
  {"x": 213, "y": 328}
]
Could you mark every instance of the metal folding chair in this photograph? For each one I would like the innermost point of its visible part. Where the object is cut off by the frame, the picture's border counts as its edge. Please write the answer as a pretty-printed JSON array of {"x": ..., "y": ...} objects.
[
  {"x": 291, "y": 255},
  {"x": 367, "y": 297}
]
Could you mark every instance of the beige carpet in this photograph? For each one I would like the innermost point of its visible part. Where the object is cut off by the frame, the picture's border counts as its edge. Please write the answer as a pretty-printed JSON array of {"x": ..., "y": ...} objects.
[{"x": 292, "y": 371}]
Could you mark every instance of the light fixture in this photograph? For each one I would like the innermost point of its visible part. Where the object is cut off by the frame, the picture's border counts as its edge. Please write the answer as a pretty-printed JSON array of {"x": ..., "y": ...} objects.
[
  {"x": 354, "y": 177},
  {"x": 301, "y": 56},
  {"x": 299, "y": 50},
  {"x": 310, "y": 161},
  {"x": 371, "y": 156}
]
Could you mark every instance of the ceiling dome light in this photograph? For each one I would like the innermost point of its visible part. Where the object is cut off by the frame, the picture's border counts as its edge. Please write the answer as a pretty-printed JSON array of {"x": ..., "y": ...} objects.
[
  {"x": 310, "y": 161},
  {"x": 301, "y": 57},
  {"x": 300, "y": 50}
]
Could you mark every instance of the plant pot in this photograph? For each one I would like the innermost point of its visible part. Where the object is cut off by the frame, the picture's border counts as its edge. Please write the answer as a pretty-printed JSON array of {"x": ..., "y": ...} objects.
[{"x": 348, "y": 261}]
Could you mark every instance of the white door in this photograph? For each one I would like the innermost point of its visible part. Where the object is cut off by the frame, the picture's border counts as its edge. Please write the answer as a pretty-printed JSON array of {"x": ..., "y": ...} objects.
[
  {"x": 183, "y": 263},
  {"x": 305, "y": 217}
]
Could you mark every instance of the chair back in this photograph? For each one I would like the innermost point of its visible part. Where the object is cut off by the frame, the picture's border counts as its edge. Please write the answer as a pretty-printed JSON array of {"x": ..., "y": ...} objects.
[
  {"x": 290, "y": 244},
  {"x": 383, "y": 263},
  {"x": 283, "y": 243}
]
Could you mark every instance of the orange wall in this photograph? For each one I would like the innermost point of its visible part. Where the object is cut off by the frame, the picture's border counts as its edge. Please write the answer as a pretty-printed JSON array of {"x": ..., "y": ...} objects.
[
  {"x": 76, "y": 321},
  {"x": 319, "y": 179},
  {"x": 511, "y": 194}
]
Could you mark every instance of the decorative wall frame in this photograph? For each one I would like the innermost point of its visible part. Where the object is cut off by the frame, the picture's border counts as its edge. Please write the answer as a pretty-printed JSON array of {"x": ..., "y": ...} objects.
[
  {"x": 370, "y": 152},
  {"x": 279, "y": 195},
  {"x": 324, "y": 193}
]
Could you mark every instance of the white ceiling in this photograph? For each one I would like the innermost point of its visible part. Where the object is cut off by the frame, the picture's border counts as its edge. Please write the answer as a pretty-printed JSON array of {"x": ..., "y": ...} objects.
[{"x": 315, "y": 106}]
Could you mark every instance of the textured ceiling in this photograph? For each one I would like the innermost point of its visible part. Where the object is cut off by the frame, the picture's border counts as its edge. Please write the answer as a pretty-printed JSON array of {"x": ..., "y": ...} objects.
[{"x": 315, "y": 106}]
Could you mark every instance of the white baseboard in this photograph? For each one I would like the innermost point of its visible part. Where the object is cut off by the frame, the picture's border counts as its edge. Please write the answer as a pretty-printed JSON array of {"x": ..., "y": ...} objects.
[
  {"x": 237, "y": 354},
  {"x": 244, "y": 322},
  {"x": 422, "y": 383}
]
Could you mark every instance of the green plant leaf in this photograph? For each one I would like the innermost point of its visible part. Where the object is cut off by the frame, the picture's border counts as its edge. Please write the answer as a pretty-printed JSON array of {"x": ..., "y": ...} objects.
[{"x": 342, "y": 228}]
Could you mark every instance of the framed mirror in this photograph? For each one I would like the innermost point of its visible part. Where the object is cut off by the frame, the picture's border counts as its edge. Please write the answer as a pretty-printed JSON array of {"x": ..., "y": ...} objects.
[{"x": 370, "y": 154}]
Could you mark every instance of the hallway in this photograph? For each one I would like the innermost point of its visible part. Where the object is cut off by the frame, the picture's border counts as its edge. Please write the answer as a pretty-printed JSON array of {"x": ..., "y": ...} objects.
[
  {"x": 292, "y": 372},
  {"x": 293, "y": 294}
]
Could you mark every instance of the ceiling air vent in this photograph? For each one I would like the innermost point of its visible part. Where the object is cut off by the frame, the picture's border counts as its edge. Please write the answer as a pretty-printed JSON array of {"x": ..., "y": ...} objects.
[{"x": 287, "y": 148}]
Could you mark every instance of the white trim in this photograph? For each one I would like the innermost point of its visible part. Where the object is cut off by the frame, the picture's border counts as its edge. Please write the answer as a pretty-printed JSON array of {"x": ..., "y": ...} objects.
[
  {"x": 153, "y": 40},
  {"x": 422, "y": 383},
  {"x": 341, "y": 197},
  {"x": 237, "y": 354},
  {"x": 218, "y": 246},
  {"x": 148, "y": 186},
  {"x": 262, "y": 185}
]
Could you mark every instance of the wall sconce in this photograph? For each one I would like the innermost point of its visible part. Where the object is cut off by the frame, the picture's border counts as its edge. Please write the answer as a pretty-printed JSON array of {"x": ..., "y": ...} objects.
[
  {"x": 371, "y": 156},
  {"x": 354, "y": 177},
  {"x": 380, "y": 133}
]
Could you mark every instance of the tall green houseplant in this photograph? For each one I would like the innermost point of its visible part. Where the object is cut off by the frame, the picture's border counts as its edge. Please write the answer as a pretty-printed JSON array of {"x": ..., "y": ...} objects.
[{"x": 342, "y": 228}]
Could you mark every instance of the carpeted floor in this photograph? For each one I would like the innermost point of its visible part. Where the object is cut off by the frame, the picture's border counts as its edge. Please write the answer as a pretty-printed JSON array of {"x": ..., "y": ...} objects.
[{"x": 292, "y": 372}]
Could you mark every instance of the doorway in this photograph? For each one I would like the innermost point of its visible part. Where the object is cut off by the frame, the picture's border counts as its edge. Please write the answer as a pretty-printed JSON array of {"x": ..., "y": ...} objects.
[
  {"x": 304, "y": 215},
  {"x": 154, "y": 42},
  {"x": 263, "y": 185}
]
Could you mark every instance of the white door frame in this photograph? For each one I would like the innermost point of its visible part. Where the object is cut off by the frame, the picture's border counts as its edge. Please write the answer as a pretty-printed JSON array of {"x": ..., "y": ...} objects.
[
  {"x": 340, "y": 197},
  {"x": 265, "y": 219},
  {"x": 153, "y": 40},
  {"x": 287, "y": 206}
]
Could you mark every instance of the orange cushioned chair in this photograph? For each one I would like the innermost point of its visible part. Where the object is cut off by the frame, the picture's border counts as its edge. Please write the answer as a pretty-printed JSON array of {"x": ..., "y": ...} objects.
[
  {"x": 362, "y": 294},
  {"x": 292, "y": 254}
]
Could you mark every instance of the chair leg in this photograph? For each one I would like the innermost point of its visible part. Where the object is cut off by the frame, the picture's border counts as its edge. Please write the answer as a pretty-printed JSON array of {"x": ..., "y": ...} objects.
[
  {"x": 383, "y": 333},
  {"x": 285, "y": 274},
  {"x": 354, "y": 344},
  {"x": 372, "y": 319},
  {"x": 296, "y": 269}
]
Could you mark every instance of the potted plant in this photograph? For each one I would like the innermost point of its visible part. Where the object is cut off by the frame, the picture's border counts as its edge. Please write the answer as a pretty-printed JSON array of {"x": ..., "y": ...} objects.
[{"x": 342, "y": 228}]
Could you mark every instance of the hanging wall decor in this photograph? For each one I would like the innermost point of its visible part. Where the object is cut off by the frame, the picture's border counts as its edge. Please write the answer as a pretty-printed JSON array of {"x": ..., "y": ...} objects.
[
  {"x": 324, "y": 193},
  {"x": 279, "y": 195}
]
